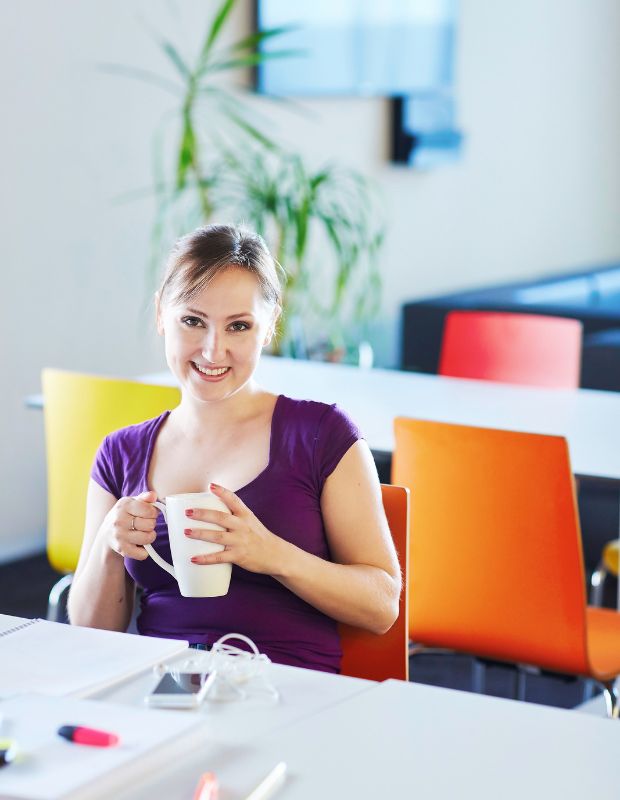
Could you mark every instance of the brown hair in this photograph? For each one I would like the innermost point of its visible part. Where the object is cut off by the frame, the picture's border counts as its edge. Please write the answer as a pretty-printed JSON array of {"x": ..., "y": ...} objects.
[{"x": 199, "y": 256}]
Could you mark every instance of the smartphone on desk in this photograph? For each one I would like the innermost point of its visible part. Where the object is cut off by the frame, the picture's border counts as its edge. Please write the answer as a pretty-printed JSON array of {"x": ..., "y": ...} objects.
[{"x": 180, "y": 689}]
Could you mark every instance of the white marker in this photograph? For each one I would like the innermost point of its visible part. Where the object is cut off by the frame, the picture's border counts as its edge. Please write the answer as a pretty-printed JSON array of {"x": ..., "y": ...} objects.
[{"x": 270, "y": 784}]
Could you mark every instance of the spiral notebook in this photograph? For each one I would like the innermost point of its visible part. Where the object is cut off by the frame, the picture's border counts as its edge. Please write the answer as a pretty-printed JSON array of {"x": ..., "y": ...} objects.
[{"x": 56, "y": 659}]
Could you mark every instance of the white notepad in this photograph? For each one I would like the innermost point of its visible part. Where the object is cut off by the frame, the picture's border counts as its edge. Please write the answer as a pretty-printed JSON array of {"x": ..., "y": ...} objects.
[
  {"x": 49, "y": 767},
  {"x": 57, "y": 659}
]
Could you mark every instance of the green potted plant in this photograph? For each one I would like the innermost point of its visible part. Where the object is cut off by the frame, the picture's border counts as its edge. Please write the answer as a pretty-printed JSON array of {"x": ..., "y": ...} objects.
[{"x": 321, "y": 224}]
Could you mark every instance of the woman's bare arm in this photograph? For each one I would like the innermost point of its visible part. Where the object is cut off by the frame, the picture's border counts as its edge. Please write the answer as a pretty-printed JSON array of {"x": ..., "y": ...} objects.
[
  {"x": 362, "y": 585},
  {"x": 102, "y": 592}
]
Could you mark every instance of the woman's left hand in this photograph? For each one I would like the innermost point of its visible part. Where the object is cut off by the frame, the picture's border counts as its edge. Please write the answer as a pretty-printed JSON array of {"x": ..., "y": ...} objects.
[{"x": 247, "y": 542}]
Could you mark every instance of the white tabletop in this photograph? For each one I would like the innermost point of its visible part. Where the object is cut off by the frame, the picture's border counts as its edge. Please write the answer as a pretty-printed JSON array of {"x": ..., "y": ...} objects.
[
  {"x": 303, "y": 692},
  {"x": 589, "y": 419},
  {"x": 397, "y": 740},
  {"x": 234, "y": 729},
  {"x": 407, "y": 740}
]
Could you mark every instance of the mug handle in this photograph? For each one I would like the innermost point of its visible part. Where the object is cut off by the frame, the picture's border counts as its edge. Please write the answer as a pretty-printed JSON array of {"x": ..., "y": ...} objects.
[{"x": 149, "y": 548}]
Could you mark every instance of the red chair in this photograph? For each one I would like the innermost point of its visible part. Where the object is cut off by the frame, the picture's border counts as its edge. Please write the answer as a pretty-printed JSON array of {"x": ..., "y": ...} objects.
[{"x": 527, "y": 349}]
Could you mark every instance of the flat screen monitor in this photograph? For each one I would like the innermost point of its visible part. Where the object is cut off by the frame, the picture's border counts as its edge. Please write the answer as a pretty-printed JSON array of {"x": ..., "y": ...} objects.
[{"x": 357, "y": 47}]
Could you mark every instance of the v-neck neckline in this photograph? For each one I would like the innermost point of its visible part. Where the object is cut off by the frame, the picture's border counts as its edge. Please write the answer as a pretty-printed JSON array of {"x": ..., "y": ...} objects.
[{"x": 261, "y": 474}]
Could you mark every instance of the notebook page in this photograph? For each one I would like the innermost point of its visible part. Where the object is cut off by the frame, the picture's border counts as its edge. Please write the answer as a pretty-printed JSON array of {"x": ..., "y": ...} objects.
[{"x": 57, "y": 659}]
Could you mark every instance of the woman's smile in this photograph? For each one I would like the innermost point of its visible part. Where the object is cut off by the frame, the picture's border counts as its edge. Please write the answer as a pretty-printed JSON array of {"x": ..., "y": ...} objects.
[{"x": 210, "y": 374}]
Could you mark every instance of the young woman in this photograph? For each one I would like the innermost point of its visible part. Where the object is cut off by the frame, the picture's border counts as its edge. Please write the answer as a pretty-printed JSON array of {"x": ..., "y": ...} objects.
[{"x": 305, "y": 532}]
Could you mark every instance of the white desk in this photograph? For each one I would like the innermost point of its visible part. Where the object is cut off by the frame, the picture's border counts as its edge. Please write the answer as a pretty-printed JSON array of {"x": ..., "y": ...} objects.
[
  {"x": 233, "y": 731},
  {"x": 590, "y": 420},
  {"x": 303, "y": 692},
  {"x": 399, "y": 740}
]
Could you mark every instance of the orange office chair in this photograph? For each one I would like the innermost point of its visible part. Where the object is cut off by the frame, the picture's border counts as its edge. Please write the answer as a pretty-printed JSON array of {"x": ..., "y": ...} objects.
[
  {"x": 497, "y": 566},
  {"x": 368, "y": 655},
  {"x": 528, "y": 349},
  {"x": 79, "y": 411}
]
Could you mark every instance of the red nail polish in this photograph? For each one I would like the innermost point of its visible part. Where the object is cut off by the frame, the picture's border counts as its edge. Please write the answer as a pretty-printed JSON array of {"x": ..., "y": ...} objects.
[
  {"x": 214, "y": 486},
  {"x": 189, "y": 512},
  {"x": 194, "y": 559},
  {"x": 188, "y": 531}
]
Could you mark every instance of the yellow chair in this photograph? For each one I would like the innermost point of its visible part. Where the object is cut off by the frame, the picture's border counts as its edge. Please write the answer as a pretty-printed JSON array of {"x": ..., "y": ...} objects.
[
  {"x": 80, "y": 410},
  {"x": 496, "y": 561},
  {"x": 609, "y": 565},
  {"x": 379, "y": 657}
]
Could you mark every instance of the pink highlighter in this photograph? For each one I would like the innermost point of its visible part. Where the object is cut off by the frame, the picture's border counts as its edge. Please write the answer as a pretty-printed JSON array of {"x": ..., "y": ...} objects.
[
  {"x": 207, "y": 788},
  {"x": 80, "y": 735}
]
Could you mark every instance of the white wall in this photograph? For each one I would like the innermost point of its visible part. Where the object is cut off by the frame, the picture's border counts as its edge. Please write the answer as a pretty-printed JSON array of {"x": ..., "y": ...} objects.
[{"x": 538, "y": 188}]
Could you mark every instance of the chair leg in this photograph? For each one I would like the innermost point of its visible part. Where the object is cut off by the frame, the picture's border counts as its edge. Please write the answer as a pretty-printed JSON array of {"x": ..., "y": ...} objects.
[
  {"x": 597, "y": 585},
  {"x": 56, "y": 601},
  {"x": 611, "y": 698}
]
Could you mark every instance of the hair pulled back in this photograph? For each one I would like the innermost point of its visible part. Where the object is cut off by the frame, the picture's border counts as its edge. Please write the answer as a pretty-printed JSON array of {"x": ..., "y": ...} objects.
[{"x": 199, "y": 256}]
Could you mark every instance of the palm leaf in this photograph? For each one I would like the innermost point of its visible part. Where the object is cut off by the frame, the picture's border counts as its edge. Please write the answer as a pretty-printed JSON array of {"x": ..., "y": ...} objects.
[
  {"x": 251, "y": 60},
  {"x": 144, "y": 75},
  {"x": 187, "y": 152},
  {"x": 214, "y": 30},
  {"x": 251, "y": 130},
  {"x": 174, "y": 56},
  {"x": 254, "y": 39}
]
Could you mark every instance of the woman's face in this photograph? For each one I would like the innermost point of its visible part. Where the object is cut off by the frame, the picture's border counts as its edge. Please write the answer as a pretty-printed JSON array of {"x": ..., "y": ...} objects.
[{"x": 214, "y": 340}]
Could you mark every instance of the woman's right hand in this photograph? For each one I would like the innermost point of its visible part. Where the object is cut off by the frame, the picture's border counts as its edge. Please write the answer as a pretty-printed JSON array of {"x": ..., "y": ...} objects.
[{"x": 130, "y": 524}]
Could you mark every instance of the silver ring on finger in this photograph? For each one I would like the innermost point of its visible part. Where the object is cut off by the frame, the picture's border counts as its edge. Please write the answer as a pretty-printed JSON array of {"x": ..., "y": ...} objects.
[{"x": 133, "y": 523}]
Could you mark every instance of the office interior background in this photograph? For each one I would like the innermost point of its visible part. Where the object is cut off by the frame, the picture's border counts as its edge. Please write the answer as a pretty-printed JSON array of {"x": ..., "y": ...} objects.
[{"x": 536, "y": 190}]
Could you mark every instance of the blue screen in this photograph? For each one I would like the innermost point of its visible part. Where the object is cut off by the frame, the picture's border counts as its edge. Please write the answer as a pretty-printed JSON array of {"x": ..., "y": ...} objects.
[{"x": 358, "y": 47}]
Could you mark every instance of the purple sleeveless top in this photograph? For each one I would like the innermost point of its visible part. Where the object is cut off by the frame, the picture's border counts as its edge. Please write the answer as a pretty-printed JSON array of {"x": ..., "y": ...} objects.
[{"x": 308, "y": 439}]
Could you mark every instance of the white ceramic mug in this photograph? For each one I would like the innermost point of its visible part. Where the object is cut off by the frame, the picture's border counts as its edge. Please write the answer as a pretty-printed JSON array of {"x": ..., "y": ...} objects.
[{"x": 195, "y": 580}]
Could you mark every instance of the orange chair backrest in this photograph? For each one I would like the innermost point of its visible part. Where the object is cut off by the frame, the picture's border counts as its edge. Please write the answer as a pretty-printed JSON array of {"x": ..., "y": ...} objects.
[
  {"x": 495, "y": 552},
  {"x": 528, "y": 349},
  {"x": 368, "y": 655}
]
